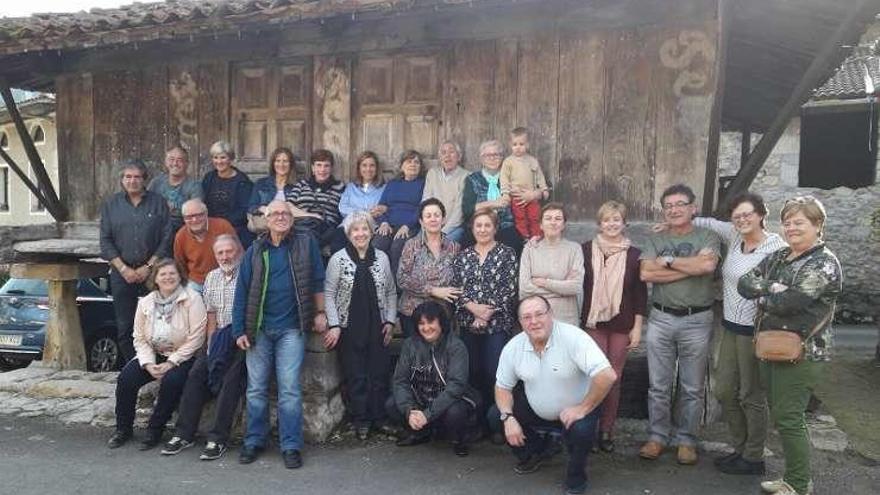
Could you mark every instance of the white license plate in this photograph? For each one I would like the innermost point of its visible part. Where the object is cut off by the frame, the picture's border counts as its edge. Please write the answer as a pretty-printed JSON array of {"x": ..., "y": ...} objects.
[{"x": 11, "y": 340}]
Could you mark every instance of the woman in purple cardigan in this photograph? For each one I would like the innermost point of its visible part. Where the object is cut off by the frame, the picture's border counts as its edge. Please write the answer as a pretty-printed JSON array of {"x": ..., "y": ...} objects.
[{"x": 615, "y": 302}]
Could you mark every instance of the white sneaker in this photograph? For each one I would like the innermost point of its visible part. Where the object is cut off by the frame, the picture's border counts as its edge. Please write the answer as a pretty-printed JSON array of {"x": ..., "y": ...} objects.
[{"x": 780, "y": 487}]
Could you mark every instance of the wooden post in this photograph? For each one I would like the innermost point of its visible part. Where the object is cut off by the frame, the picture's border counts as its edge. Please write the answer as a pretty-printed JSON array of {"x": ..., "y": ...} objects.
[
  {"x": 818, "y": 69},
  {"x": 64, "y": 347}
]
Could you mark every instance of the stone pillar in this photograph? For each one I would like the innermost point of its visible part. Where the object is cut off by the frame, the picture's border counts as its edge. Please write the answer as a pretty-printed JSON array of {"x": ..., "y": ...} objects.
[
  {"x": 64, "y": 348},
  {"x": 321, "y": 377}
]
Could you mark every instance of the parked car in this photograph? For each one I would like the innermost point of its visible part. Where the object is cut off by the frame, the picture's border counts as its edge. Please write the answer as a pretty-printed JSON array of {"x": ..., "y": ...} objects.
[{"x": 24, "y": 311}]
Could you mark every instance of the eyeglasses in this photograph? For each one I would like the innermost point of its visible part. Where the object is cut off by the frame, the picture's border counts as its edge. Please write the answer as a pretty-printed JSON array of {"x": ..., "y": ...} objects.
[
  {"x": 534, "y": 316},
  {"x": 680, "y": 204},
  {"x": 195, "y": 216},
  {"x": 743, "y": 216},
  {"x": 279, "y": 214},
  {"x": 491, "y": 155}
]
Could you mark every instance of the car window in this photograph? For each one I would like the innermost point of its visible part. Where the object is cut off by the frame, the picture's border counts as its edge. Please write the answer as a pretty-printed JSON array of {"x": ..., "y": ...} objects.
[{"x": 25, "y": 287}]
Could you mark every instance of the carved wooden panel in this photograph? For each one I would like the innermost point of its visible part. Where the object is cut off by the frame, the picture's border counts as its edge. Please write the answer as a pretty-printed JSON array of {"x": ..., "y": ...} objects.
[
  {"x": 252, "y": 87},
  {"x": 376, "y": 81},
  {"x": 421, "y": 79},
  {"x": 252, "y": 139},
  {"x": 292, "y": 84}
]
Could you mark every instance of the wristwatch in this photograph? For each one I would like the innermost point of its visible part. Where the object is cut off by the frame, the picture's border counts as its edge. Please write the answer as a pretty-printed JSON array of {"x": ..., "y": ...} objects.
[
  {"x": 505, "y": 416},
  {"x": 668, "y": 260}
]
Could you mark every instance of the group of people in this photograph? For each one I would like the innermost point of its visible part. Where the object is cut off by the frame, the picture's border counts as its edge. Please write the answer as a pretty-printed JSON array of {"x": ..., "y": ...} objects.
[{"x": 510, "y": 328}]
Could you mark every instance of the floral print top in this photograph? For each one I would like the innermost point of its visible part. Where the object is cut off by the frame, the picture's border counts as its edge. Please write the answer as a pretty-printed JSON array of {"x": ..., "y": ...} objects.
[
  {"x": 419, "y": 270},
  {"x": 491, "y": 282},
  {"x": 812, "y": 282}
]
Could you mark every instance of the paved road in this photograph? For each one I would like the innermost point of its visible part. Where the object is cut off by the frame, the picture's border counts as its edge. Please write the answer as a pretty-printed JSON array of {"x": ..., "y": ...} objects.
[{"x": 40, "y": 457}]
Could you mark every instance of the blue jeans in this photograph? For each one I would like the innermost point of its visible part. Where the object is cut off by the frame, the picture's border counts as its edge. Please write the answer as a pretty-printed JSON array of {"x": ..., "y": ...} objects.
[{"x": 282, "y": 349}]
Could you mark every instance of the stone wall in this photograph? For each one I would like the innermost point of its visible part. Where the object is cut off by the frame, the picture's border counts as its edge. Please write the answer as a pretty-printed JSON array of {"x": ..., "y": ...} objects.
[{"x": 848, "y": 231}]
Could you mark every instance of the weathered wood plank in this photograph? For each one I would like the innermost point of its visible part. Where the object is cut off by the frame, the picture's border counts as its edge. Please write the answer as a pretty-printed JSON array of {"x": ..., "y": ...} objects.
[
  {"x": 629, "y": 126},
  {"x": 683, "y": 91},
  {"x": 537, "y": 100},
  {"x": 504, "y": 97},
  {"x": 116, "y": 132},
  {"x": 182, "y": 112},
  {"x": 76, "y": 145},
  {"x": 152, "y": 117},
  {"x": 469, "y": 98},
  {"x": 332, "y": 117},
  {"x": 213, "y": 111},
  {"x": 581, "y": 124}
]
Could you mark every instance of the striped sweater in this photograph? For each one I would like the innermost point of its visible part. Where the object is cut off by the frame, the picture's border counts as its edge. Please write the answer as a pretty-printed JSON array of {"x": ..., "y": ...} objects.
[{"x": 323, "y": 199}]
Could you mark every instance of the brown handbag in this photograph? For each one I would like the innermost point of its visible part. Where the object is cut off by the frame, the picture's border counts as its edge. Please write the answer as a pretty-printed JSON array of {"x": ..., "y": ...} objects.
[{"x": 784, "y": 345}]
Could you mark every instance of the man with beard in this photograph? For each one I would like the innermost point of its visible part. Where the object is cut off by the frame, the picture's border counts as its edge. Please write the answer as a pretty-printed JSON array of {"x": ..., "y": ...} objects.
[{"x": 220, "y": 370}]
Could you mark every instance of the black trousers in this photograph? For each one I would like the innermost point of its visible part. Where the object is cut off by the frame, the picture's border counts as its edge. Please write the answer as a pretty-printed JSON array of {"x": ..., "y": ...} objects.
[
  {"x": 538, "y": 432},
  {"x": 460, "y": 418},
  {"x": 132, "y": 378},
  {"x": 197, "y": 393},
  {"x": 366, "y": 367},
  {"x": 125, "y": 299}
]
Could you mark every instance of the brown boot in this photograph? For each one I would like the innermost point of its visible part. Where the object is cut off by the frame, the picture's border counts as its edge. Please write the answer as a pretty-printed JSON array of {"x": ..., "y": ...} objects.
[
  {"x": 651, "y": 450},
  {"x": 687, "y": 455}
]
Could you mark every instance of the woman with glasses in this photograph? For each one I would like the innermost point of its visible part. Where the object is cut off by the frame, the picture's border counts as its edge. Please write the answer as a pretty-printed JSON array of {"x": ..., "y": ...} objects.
[
  {"x": 796, "y": 288},
  {"x": 482, "y": 190}
]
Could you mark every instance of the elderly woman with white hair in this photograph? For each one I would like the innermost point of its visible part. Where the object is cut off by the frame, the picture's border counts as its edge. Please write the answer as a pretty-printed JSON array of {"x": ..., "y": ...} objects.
[
  {"x": 227, "y": 191},
  {"x": 361, "y": 303}
]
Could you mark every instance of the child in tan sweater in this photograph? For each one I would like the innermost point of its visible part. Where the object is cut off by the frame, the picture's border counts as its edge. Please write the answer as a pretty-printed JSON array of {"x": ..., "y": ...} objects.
[{"x": 523, "y": 184}]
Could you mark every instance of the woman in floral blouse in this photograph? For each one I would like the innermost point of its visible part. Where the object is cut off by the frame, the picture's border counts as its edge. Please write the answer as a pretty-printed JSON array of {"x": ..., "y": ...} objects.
[
  {"x": 425, "y": 269},
  {"x": 487, "y": 273},
  {"x": 796, "y": 288}
]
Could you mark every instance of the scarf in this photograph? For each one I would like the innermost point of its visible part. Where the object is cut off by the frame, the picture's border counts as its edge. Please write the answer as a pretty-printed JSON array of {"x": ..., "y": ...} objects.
[
  {"x": 160, "y": 336},
  {"x": 363, "y": 312},
  {"x": 608, "y": 261},
  {"x": 494, "y": 191}
]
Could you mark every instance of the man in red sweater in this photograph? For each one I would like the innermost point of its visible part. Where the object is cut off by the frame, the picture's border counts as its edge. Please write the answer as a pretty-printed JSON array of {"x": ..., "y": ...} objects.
[{"x": 193, "y": 244}]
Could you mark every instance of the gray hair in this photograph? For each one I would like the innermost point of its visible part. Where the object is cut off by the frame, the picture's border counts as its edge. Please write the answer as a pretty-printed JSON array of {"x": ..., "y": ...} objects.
[
  {"x": 454, "y": 145},
  {"x": 228, "y": 238},
  {"x": 492, "y": 143},
  {"x": 194, "y": 202},
  {"x": 178, "y": 147},
  {"x": 223, "y": 148},
  {"x": 356, "y": 218},
  {"x": 135, "y": 164}
]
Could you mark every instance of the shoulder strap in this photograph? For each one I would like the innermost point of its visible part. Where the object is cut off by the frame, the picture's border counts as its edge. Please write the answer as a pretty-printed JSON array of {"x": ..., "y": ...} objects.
[{"x": 819, "y": 326}]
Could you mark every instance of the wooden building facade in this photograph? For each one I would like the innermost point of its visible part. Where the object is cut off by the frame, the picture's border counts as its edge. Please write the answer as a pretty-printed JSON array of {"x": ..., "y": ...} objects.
[{"x": 618, "y": 96}]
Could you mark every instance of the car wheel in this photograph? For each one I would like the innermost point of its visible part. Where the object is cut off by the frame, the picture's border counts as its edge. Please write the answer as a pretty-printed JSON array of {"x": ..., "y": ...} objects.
[
  {"x": 102, "y": 354},
  {"x": 7, "y": 364}
]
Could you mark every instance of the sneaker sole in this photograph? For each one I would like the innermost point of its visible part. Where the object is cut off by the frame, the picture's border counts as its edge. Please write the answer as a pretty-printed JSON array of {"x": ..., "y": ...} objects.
[
  {"x": 206, "y": 457},
  {"x": 531, "y": 470}
]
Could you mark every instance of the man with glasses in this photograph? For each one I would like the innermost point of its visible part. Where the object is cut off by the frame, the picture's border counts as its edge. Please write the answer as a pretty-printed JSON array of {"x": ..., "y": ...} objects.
[
  {"x": 270, "y": 326},
  {"x": 551, "y": 379},
  {"x": 135, "y": 234},
  {"x": 176, "y": 186},
  {"x": 680, "y": 263},
  {"x": 193, "y": 244}
]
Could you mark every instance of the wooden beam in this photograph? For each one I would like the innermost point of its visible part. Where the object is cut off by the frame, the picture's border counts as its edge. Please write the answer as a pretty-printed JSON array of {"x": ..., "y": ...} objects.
[
  {"x": 52, "y": 203},
  {"x": 745, "y": 147},
  {"x": 24, "y": 178},
  {"x": 714, "y": 145},
  {"x": 826, "y": 58}
]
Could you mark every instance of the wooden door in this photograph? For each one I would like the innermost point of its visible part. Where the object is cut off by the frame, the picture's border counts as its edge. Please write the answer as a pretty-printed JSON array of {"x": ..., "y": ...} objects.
[
  {"x": 271, "y": 103},
  {"x": 397, "y": 102}
]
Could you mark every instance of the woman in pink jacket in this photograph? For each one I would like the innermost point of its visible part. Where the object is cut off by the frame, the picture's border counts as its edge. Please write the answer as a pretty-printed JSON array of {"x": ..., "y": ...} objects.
[{"x": 169, "y": 327}]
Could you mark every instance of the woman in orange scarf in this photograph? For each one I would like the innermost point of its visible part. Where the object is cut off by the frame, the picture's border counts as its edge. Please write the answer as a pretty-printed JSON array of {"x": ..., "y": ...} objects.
[{"x": 615, "y": 302}]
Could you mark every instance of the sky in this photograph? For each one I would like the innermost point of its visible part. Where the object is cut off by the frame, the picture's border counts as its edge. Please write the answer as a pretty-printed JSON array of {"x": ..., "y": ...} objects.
[{"x": 11, "y": 8}]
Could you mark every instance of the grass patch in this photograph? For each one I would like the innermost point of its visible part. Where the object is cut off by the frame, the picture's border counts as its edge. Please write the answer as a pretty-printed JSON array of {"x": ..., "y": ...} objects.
[{"x": 849, "y": 392}]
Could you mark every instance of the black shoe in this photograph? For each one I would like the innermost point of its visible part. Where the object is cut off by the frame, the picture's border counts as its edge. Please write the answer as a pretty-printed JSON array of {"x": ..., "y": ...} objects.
[
  {"x": 118, "y": 439},
  {"x": 725, "y": 458},
  {"x": 461, "y": 449},
  {"x": 529, "y": 465},
  {"x": 606, "y": 443},
  {"x": 152, "y": 439},
  {"x": 247, "y": 454},
  {"x": 212, "y": 451},
  {"x": 742, "y": 466},
  {"x": 362, "y": 433},
  {"x": 175, "y": 446},
  {"x": 292, "y": 459},
  {"x": 576, "y": 490},
  {"x": 412, "y": 439}
]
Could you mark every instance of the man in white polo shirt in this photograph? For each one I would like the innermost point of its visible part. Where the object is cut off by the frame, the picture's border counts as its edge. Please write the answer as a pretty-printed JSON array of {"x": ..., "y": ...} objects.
[{"x": 550, "y": 377}]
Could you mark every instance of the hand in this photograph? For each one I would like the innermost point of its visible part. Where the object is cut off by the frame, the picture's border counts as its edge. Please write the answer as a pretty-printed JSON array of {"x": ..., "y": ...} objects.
[
  {"x": 243, "y": 343},
  {"x": 378, "y": 210},
  {"x": 707, "y": 253},
  {"x": 384, "y": 229},
  {"x": 569, "y": 415},
  {"x": 142, "y": 273},
  {"x": 448, "y": 294},
  {"x": 533, "y": 241},
  {"x": 331, "y": 337},
  {"x": 402, "y": 232},
  {"x": 776, "y": 288},
  {"x": 417, "y": 420},
  {"x": 539, "y": 282},
  {"x": 129, "y": 275},
  {"x": 659, "y": 227},
  {"x": 478, "y": 323},
  {"x": 155, "y": 370},
  {"x": 482, "y": 311},
  {"x": 315, "y": 215},
  {"x": 635, "y": 338},
  {"x": 513, "y": 433},
  {"x": 387, "y": 333},
  {"x": 320, "y": 323}
]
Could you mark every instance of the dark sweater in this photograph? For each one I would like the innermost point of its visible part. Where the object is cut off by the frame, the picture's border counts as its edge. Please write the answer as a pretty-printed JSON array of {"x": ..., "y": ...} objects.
[
  {"x": 635, "y": 292},
  {"x": 402, "y": 197},
  {"x": 229, "y": 199}
]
